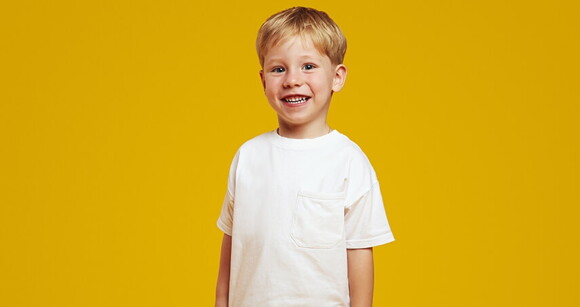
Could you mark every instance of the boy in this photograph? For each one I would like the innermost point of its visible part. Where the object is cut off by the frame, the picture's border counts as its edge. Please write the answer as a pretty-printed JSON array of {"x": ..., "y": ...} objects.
[{"x": 303, "y": 207}]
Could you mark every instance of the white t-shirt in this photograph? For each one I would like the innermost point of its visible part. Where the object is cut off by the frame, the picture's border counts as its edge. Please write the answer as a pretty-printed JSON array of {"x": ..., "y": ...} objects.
[{"x": 293, "y": 207}]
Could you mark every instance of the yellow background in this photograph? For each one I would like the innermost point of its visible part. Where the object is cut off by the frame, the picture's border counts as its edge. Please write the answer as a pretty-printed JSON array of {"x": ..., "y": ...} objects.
[{"x": 118, "y": 121}]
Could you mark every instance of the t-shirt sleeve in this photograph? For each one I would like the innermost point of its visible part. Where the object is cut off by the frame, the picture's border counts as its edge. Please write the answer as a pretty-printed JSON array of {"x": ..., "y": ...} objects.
[
  {"x": 226, "y": 218},
  {"x": 366, "y": 223}
]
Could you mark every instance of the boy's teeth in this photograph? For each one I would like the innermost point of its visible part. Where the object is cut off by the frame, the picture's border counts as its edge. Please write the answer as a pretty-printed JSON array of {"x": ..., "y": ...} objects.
[{"x": 295, "y": 100}]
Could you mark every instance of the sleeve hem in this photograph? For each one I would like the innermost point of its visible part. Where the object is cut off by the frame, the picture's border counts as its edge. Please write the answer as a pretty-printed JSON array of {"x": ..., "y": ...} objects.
[
  {"x": 224, "y": 228},
  {"x": 380, "y": 240}
]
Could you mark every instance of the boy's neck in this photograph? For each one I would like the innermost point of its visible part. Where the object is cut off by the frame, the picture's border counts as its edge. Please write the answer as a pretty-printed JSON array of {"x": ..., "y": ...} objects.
[{"x": 303, "y": 132}]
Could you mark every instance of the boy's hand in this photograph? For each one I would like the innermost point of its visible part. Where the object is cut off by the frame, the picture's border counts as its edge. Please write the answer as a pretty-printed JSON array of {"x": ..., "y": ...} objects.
[{"x": 360, "y": 277}]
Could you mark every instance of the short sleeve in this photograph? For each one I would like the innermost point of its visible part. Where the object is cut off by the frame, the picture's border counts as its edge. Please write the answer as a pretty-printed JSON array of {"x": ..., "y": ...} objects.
[
  {"x": 225, "y": 220},
  {"x": 366, "y": 223}
]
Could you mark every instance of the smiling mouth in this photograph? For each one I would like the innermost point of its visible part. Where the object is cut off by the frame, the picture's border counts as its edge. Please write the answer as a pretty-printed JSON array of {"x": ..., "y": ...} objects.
[{"x": 296, "y": 99}]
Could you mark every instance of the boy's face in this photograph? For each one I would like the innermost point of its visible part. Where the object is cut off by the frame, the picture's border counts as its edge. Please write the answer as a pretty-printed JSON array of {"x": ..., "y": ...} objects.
[{"x": 298, "y": 82}]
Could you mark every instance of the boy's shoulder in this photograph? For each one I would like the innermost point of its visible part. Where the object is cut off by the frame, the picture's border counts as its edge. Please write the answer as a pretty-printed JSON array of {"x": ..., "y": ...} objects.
[{"x": 262, "y": 139}]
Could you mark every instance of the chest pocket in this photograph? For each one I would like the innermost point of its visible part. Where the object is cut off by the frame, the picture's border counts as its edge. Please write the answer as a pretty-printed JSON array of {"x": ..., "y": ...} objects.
[{"x": 318, "y": 220}]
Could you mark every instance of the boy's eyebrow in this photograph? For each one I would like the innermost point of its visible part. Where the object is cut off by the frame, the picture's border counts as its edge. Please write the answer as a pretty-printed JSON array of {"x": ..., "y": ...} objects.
[{"x": 301, "y": 57}]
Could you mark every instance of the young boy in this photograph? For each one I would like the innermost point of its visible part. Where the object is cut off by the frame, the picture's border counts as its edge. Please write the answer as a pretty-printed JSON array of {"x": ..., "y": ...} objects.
[{"x": 303, "y": 207}]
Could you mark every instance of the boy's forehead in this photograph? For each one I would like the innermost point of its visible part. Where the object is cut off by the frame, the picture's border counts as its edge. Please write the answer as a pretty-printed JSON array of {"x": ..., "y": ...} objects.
[
  {"x": 304, "y": 38},
  {"x": 306, "y": 43}
]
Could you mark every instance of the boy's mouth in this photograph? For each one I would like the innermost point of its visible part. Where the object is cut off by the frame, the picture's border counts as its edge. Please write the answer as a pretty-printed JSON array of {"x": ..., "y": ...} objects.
[{"x": 294, "y": 100}]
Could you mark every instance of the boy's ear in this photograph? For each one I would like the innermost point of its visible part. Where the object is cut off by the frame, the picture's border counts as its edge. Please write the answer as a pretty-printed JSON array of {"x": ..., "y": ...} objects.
[
  {"x": 339, "y": 77},
  {"x": 262, "y": 79}
]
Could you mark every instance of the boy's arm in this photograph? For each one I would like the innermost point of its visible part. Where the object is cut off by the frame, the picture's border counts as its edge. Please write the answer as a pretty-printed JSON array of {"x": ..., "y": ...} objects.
[
  {"x": 360, "y": 276},
  {"x": 223, "y": 283}
]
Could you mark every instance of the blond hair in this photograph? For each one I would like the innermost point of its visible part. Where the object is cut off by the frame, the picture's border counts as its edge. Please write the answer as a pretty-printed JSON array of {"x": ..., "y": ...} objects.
[{"x": 306, "y": 22}]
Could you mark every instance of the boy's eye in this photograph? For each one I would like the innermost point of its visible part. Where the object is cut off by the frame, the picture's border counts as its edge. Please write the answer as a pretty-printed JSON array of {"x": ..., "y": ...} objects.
[
  {"x": 308, "y": 67},
  {"x": 278, "y": 69}
]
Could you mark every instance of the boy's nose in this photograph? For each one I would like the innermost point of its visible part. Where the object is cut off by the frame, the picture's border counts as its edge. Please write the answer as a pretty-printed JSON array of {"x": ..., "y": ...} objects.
[{"x": 292, "y": 81}]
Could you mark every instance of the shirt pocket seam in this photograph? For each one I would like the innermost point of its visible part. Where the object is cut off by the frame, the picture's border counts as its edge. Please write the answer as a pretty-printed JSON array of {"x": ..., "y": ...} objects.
[{"x": 329, "y": 204}]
